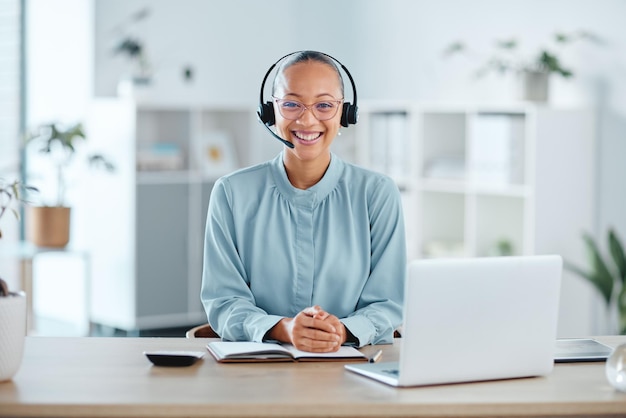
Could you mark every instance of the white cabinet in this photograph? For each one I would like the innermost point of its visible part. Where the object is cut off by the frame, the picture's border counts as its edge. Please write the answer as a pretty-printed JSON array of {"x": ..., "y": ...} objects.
[{"x": 485, "y": 180}]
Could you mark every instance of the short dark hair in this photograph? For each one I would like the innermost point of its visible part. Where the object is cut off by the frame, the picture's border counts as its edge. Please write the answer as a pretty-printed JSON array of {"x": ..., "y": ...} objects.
[{"x": 303, "y": 56}]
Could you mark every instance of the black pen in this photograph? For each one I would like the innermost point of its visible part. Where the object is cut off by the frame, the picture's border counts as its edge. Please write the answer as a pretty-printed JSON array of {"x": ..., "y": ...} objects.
[{"x": 377, "y": 355}]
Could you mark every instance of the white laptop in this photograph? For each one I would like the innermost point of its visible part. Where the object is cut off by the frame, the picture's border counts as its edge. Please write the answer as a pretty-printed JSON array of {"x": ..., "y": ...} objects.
[{"x": 475, "y": 319}]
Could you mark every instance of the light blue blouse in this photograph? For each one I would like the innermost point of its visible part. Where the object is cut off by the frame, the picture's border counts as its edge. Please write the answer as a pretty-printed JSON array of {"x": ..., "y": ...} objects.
[{"x": 272, "y": 250}]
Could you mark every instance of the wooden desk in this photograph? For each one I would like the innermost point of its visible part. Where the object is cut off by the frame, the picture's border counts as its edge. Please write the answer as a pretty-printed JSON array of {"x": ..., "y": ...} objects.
[{"x": 98, "y": 377}]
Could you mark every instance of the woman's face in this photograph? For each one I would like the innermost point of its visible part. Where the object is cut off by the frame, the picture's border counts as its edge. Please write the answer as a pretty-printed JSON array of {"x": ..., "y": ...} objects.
[{"x": 308, "y": 83}]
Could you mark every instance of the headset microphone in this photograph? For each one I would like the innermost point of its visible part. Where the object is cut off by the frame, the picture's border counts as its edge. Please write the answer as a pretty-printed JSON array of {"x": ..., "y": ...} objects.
[{"x": 289, "y": 144}]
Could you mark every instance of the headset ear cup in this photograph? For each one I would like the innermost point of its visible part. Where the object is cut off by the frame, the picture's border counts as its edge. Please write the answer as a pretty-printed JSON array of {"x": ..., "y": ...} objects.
[
  {"x": 266, "y": 113},
  {"x": 345, "y": 114},
  {"x": 349, "y": 115},
  {"x": 354, "y": 114}
]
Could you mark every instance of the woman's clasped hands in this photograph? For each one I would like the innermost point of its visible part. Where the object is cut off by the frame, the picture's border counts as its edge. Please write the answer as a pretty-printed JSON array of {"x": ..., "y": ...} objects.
[{"x": 313, "y": 329}]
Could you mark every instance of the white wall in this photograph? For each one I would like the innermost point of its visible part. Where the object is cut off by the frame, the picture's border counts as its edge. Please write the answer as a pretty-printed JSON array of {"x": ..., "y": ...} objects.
[
  {"x": 229, "y": 43},
  {"x": 60, "y": 69}
]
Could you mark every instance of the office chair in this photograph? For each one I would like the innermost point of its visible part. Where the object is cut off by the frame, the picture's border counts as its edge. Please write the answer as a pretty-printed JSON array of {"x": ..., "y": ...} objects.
[{"x": 201, "y": 331}]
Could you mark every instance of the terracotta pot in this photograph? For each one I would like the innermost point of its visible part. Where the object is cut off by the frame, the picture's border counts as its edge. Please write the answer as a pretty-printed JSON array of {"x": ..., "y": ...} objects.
[{"x": 48, "y": 226}]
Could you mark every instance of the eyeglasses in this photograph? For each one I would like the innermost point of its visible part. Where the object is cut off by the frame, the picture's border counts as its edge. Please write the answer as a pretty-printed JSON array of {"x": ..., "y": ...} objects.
[{"x": 293, "y": 109}]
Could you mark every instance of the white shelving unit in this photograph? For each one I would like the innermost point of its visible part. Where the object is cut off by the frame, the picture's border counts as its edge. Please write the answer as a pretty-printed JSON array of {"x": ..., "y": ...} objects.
[
  {"x": 470, "y": 177},
  {"x": 485, "y": 180},
  {"x": 147, "y": 272}
]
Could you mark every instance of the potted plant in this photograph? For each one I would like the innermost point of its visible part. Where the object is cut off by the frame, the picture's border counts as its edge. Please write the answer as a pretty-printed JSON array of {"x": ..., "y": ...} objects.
[
  {"x": 12, "y": 194},
  {"x": 12, "y": 304},
  {"x": 608, "y": 278},
  {"x": 136, "y": 52},
  {"x": 49, "y": 224},
  {"x": 131, "y": 46},
  {"x": 533, "y": 71}
]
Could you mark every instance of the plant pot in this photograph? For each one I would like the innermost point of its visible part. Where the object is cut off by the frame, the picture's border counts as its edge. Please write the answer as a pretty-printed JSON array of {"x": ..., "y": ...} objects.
[
  {"x": 534, "y": 86},
  {"x": 48, "y": 226},
  {"x": 12, "y": 333}
]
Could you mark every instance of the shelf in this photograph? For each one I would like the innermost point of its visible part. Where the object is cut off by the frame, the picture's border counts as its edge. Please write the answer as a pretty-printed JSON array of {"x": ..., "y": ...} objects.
[
  {"x": 458, "y": 186},
  {"x": 163, "y": 177},
  {"x": 476, "y": 172},
  {"x": 443, "y": 185}
]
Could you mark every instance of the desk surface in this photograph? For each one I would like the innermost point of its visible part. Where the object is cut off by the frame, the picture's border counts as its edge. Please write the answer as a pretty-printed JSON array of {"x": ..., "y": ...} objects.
[{"x": 96, "y": 377}]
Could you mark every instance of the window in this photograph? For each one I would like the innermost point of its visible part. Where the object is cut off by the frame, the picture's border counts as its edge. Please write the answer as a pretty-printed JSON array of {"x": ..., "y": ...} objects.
[{"x": 11, "y": 103}]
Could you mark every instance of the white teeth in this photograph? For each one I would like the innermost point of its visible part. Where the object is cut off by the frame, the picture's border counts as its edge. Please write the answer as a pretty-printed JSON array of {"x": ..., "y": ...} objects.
[{"x": 305, "y": 137}]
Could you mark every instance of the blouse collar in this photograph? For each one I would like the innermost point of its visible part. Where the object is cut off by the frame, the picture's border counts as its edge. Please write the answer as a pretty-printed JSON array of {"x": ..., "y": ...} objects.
[{"x": 314, "y": 194}]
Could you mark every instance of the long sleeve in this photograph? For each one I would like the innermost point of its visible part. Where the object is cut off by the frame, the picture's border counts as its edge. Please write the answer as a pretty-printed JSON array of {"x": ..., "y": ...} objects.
[
  {"x": 226, "y": 293},
  {"x": 379, "y": 310},
  {"x": 271, "y": 250}
]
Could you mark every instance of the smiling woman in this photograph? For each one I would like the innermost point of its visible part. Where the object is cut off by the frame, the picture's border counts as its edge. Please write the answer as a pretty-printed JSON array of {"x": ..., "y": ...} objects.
[{"x": 333, "y": 272}]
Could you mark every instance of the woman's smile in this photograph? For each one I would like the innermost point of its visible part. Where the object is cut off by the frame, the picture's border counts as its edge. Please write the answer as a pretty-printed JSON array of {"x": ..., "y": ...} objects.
[{"x": 307, "y": 137}]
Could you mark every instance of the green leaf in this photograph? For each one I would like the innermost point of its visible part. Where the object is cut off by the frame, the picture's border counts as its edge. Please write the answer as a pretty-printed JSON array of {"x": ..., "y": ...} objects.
[
  {"x": 132, "y": 47},
  {"x": 600, "y": 275},
  {"x": 590, "y": 36},
  {"x": 592, "y": 277},
  {"x": 617, "y": 252},
  {"x": 454, "y": 48},
  {"x": 51, "y": 133},
  {"x": 508, "y": 44},
  {"x": 99, "y": 161},
  {"x": 621, "y": 309},
  {"x": 16, "y": 189},
  {"x": 568, "y": 265},
  {"x": 550, "y": 63},
  {"x": 565, "y": 73},
  {"x": 561, "y": 38}
]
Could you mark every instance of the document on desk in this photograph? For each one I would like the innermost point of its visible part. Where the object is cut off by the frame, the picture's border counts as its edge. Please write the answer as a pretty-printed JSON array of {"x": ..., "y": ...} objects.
[{"x": 252, "y": 352}]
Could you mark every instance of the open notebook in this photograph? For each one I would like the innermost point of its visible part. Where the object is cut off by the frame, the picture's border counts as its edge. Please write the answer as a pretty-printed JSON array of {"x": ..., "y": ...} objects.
[
  {"x": 475, "y": 319},
  {"x": 243, "y": 351}
]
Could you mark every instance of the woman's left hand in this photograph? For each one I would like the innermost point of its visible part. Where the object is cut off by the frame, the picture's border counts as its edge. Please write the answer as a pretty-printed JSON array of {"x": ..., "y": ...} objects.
[
  {"x": 312, "y": 329},
  {"x": 318, "y": 313}
]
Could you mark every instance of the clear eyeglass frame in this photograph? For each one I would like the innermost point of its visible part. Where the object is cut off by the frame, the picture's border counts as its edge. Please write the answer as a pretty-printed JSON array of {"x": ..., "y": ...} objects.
[{"x": 321, "y": 113}]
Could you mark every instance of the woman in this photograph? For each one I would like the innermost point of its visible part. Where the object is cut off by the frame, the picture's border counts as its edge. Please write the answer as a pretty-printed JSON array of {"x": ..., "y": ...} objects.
[{"x": 305, "y": 249}]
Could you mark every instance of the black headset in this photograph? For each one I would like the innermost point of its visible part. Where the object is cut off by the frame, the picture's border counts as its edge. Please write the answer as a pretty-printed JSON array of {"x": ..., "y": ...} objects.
[{"x": 349, "y": 114}]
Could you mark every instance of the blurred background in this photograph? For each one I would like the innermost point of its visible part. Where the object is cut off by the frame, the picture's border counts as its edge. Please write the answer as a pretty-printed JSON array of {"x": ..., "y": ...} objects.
[{"x": 166, "y": 91}]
